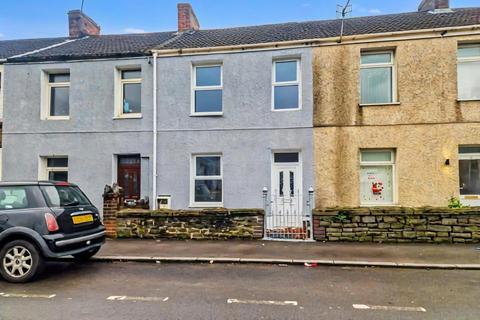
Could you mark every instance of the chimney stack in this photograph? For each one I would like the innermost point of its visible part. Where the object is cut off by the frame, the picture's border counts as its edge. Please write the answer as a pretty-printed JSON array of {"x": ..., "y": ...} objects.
[
  {"x": 432, "y": 5},
  {"x": 80, "y": 25},
  {"x": 187, "y": 20}
]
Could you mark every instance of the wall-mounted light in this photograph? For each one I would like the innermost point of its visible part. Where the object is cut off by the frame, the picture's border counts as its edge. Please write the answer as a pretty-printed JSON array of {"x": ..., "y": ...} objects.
[{"x": 447, "y": 162}]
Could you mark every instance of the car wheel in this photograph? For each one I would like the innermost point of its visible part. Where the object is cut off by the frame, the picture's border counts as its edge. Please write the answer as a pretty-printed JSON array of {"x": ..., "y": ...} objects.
[
  {"x": 84, "y": 256},
  {"x": 20, "y": 261}
]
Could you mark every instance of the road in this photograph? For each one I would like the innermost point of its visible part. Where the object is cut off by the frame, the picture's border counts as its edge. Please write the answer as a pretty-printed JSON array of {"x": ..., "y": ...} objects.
[{"x": 226, "y": 291}]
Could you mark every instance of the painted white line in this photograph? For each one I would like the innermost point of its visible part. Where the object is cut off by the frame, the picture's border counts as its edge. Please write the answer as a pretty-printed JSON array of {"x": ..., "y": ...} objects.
[
  {"x": 267, "y": 302},
  {"x": 389, "y": 308},
  {"x": 29, "y": 296},
  {"x": 127, "y": 298}
]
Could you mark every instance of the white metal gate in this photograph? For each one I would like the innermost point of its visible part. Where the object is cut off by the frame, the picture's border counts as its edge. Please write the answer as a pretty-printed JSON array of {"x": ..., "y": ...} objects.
[{"x": 285, "y": 216}]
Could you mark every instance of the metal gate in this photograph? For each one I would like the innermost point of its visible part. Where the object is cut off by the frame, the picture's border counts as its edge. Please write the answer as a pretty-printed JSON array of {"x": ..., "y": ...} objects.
[{"x": 286, "y": 218}]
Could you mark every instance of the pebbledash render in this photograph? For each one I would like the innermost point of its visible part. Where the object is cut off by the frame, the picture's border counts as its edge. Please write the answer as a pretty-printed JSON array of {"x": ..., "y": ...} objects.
[{"x": 243, "y": 117}]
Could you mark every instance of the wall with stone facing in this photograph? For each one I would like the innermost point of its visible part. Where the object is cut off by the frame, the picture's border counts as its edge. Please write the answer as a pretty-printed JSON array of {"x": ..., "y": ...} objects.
[
  {"x": 208, "y": 224},
  {"x": 398, "y": 225}
]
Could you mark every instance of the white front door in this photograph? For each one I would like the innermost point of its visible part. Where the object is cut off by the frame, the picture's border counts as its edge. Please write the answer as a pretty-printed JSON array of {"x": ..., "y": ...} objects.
[{"x": 286, "y": 195}]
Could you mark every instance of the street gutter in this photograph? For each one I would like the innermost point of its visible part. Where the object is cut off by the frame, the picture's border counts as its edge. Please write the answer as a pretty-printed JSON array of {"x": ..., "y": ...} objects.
[{"x": 331, "y": 263}]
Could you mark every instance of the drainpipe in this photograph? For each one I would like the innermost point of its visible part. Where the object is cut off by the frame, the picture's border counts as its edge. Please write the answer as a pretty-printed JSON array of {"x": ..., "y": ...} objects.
[{"x": 154, "y": 155}]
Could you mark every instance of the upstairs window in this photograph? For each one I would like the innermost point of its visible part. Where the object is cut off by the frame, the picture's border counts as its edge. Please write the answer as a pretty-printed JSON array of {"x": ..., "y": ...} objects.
[
  {"x": 468, "y": 72},
  {"x": 130, "y": 102},
  {"x": 58, "y": 96},
  {"x": 286, "y": 85},
  {"x": 207, "y": 90},
  {"x": 377, "y": 78}
]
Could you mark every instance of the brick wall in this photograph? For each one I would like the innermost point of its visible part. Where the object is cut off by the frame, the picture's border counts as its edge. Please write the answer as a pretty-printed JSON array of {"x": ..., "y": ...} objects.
[
  {"x": 398, "y": 225},
  {"x": 111, "y": 205}
]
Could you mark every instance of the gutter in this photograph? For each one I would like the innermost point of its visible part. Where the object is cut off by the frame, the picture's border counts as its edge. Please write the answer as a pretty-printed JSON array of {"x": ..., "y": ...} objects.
[
  {"x": 410, "y": 34},
  {"x": 155, "y": 146}
]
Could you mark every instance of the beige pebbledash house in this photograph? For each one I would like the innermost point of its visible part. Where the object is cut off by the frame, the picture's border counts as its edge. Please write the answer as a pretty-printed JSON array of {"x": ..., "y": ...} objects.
[{"x": 397, "y": 117}]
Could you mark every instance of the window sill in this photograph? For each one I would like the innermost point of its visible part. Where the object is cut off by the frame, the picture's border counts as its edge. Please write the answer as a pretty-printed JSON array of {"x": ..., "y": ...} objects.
[
  {"x": 207, "y": 114},
  {"x": 205, "y": 205},
  {"x": 469, "y": 100},
  {"x": 379, "y": 205},
  {"x": 379, "y": 104},
  {"x": 286, "y": 110},
  {"x": 128, "y": 116},
  {"x": 57, "y": 118}
]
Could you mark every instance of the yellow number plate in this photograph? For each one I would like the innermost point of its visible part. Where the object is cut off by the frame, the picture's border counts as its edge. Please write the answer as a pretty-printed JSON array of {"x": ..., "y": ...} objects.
[{"x": 82, "y": 219}]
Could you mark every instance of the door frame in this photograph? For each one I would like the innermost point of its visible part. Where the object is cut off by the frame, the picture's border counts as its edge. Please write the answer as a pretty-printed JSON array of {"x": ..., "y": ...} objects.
[
  {"x": 298, "y": 164},
  {"x": 116, "y": 170}
]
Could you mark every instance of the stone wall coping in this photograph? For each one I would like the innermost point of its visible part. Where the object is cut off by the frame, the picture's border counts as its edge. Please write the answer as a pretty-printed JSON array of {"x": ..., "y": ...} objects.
[
  {"x": 395, "y": 210},
  {"x": 141, "y": 213}
]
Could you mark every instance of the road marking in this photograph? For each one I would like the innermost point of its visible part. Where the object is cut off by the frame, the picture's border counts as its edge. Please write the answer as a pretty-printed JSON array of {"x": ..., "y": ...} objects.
[
  {"x": 127, "y": 298},
  {"x": 267, "y": 302},
  {"x": 24, "y": 295},
  {"x": 389, "y": 308}
]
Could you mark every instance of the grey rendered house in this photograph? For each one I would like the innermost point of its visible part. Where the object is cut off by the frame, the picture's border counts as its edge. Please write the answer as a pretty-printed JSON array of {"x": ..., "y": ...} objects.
[
  {"x": 16, "y": 48},
  {"x": 227, "y": 125}
]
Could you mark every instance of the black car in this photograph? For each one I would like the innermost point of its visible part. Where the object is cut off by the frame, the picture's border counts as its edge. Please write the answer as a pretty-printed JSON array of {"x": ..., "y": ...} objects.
[{"x": 45, "y": 220}]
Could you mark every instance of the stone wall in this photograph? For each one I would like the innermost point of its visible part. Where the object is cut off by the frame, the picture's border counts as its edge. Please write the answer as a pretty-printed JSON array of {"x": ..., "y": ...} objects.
[
  {"x": 208, "y": 224},
  {"x": 398, "y": 225}
]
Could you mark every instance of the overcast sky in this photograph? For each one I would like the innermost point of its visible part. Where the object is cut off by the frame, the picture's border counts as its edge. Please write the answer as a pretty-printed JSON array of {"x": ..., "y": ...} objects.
[{"x": 47, "y": 18}]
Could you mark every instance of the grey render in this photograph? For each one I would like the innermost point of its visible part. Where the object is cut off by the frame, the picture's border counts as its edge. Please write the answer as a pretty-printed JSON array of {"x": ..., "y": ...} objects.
[
  {"x": 245, "y": 135},
  {"x": 90, "y": 139}
]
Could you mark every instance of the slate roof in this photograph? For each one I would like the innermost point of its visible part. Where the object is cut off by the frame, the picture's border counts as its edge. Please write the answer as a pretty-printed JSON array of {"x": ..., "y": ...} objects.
[
  {"x": 129, "y": 45},
  {"x": 325, "y": 28},
  {"x": 122, "y": 45},
  {"x": 9, "y": 48}
]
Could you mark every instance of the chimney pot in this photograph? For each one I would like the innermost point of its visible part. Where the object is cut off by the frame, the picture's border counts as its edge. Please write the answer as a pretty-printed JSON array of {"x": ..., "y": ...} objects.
[
  {"x": 187, "y": 20},
  {"x": 80, "y": 25},
  {"x": 431, "y": 5}
]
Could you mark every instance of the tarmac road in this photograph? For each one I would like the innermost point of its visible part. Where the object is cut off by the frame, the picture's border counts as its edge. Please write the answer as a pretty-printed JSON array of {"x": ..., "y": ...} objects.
[{"x": 234, "y": 291}]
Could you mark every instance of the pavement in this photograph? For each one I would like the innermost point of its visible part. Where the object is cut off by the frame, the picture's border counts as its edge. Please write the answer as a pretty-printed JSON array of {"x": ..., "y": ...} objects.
[
  {"x": 458, "y": 256},
  {"x": 125, "y": 291}
]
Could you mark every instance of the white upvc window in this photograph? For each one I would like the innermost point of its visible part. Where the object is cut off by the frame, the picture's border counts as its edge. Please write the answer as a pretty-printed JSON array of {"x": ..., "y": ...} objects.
[
  {"x": 469, "y": 174},
  {"x": 207, "y": 181},
  {"x": 286, "y": 85},
  {"x": 377, "y": 177},
  {"x": 128, "y": 96},
  {"x": 207, "y": 90},
  {"x": 56, "y": 102},
  {"x": 1, "y": 91},
  {"x": 468, "y": 72},
  {"x": 54, "y": 168},
  {"x": 377, "y": 78}
]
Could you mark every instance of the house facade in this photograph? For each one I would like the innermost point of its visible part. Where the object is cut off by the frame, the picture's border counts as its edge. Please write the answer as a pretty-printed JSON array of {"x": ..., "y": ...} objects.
[
  {"x": 383, "y": 113},
  {"x": 397, "y": 119}
]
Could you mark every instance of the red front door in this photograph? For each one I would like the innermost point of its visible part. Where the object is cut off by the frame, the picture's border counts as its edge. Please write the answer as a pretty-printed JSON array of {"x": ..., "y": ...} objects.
[{"x": 129, "y": 175}]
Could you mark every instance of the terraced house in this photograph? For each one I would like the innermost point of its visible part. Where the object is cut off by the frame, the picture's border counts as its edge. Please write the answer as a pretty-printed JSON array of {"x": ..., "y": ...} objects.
[{"x": 383, "y": 113}]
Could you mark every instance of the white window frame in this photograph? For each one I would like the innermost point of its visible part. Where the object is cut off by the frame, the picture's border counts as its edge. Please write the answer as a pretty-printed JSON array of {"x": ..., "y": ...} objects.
[
  {"x": 2, "y": 76},
  {"x": 194, "y": 177},
  {"x": 466, "y": 60},
  {"x": 391, "y": 163},
  {"x": 44, "y": 169},
  {"x": 196, "y": 88},
  {"x": 298, "y": 82},
  {"x": 391, "y": 64},
  {"x": 468, "y": 156},
  {"x": 119, "y": 91},
  {"x": 47, "y": 94}
]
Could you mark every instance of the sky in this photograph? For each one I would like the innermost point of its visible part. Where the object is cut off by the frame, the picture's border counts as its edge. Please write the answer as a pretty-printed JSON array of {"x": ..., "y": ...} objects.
[{"x": 21, "y": 19}]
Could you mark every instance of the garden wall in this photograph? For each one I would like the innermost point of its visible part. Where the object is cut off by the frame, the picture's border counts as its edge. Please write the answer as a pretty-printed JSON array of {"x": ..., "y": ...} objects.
[{"x": 398, "y": 225}]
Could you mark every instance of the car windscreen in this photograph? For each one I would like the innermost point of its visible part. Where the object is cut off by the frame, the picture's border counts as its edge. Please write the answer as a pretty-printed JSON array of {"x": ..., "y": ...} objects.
[{"x": 64, "y": 196}]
